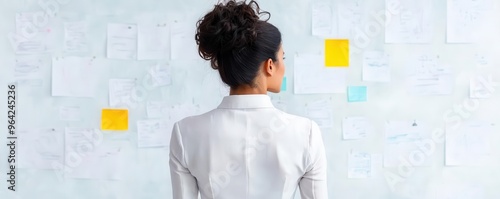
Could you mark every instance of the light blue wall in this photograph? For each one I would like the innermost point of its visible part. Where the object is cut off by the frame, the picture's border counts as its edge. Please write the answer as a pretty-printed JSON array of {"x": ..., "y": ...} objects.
[{"x": 146, "y": 169}]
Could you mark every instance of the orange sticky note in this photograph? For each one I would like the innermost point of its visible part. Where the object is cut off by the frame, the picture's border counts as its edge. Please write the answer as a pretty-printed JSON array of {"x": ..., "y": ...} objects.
[
  {"x": 336, "y": 52},
  {"x": 114, "y": 119}
]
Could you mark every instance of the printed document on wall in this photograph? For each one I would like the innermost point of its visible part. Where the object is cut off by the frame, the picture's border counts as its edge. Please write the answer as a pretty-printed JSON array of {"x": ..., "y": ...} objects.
[
  {"x": 121, "y": 92},
  {"x": 322, "y": 19},
  {"x": 470, "y": 144},
  {"x": 75, "y": 37},
  {"x": 402, "y": 138},
  {"x": 122, "y": 41},
  {"x": 355, "y": 128},
  {"x": 467, "y": 20},
  {"x": 40, "y": 148},
  {"x": 376, "y": 67},
  {"x": 359, "y": 165},
  {"x": 321, "y": 111},
  {"x": 428, "y": 76},
  {"x": 74, "y": 77},
  {"x": 183, "y": 46},
  {"x": 350, "y": 15},
  {"x": 311, "y": 76},
  {"x": 153, "y": 133},
  {"x": 29, "y": 38},
  {"x": 410, "y": 21},
  {"x": 97, "y": 159},
  {"x": 153, "y": 42}
]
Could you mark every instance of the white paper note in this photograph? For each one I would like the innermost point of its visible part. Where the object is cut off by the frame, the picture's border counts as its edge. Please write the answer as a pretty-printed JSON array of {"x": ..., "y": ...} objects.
[
  {"x": 122, "y": 41},
  {"x": 350, "y": 18},
  {"x": 69, "y": 113},
  {"x": 322, "y": 19},
  {"x": 355, "y": 128},
  {"x": 28, "y": 67},
  {"x": 91, "y": 158},
  {"x": 75, "y": 37},
  {"x": 153, "y": 133},
  {"x": 312, "y": 77},
  {"x": 470, "y": 144},
  {"x": 464, "y": 16},
  {"x": 479, "y": 88},
  {"x": 154, "y": 42},
  {"x": 183, "y": 44},
  {"x": 157, "y": 109},
  {"x": 359, "y": 165},
  {"x": 160, "y": 75},
  {"x": 402, "y": 139},
  {"x": 427, "y": 76},
  {"x": 73, "y": 77},
  {"x": 410, "y": 21},
  {"x": 376, "y": 67},
  {"x": 321, "y": 112},
  {"x": 121, "y": 91},
  {"x": 29, "y": 38},
  {"x": 40, "y": 148}
]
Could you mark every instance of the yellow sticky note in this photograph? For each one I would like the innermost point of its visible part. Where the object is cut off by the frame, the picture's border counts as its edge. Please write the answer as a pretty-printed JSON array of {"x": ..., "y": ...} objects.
[
  {"x": 114, "y": 119},
  {"x": 336, "y": 52}
]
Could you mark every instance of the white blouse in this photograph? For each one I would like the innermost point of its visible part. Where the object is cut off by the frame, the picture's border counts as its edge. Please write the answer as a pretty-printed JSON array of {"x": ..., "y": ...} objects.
[{"x": 247, "y": 149}]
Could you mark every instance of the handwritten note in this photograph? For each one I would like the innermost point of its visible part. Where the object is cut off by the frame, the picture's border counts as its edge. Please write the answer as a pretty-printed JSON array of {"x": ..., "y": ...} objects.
[
  {"x": 30, "y": 39},
  {"x": 321, "y": 111},
  {"x": 312, "y": 77},
  {"x": 428, "y": 76},
  {"x": 336, "y": 52},
  {"x": 122, "y": 41},
  {"x": 160, "y": 75},
  {"x": 114, "y": 119},
  {"x": 40, "y": 148},
  {"x": 355, "y": 128},
  {"x": 350, "y": 18},
  {"x": 75, "y": 37},
  {"x": 154, "y": 42},
  {"x": 157, "y": 109},
  {"x": 400, "y": 139},
  {"x": 69, "y": 113},
  {"x": 120, "y": 92},
  {"x": 73, "y": 77},
  {"x": 471, "y": 144},
  {"x": 322, "y": 19},
  {"x": 465, "y": 15},
  {"x": 359, "y": 165},
  {"x": 183, "y": 46},
  {"x": 410, "y": 22},
  {"x": 97, "y": 159},
  {"x": 376, "y": 67},
  {"x": 153, "y": 133},
  {"x": 356, "y": 94},
  {"x": 28, "y": 67}
]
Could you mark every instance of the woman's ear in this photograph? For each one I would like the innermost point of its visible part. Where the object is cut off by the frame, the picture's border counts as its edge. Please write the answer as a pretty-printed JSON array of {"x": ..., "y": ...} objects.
[{"x": 269, "y": 67}]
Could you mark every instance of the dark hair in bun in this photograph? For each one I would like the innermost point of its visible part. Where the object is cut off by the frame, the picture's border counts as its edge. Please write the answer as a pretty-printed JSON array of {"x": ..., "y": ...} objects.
[{"x": 236, "y": 41}]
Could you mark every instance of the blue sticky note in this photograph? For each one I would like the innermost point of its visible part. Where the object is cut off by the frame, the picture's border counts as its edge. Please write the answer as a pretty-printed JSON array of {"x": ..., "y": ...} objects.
[
  {"x": 283, "y": 84},
  {"x": 356, "y": 94}
]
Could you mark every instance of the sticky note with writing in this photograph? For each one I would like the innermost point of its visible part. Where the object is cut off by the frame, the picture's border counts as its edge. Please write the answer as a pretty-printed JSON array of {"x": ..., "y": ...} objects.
[
  {"x": 114, "y": 119},
  {"x": 336, "y": 52}
]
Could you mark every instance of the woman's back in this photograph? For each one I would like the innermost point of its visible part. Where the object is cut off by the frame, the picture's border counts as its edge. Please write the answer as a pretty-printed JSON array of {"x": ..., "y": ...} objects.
[{"x": 246, "y": 148}]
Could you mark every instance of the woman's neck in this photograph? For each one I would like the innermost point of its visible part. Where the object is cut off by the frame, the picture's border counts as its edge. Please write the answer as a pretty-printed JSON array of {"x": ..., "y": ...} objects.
[{"x": 247, "y": 90}]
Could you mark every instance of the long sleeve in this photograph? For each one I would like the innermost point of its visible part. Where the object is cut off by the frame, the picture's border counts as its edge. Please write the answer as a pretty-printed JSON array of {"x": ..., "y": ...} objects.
[
  {"x": 184, "y": 184},
  {"x": 313, "y": 184}
]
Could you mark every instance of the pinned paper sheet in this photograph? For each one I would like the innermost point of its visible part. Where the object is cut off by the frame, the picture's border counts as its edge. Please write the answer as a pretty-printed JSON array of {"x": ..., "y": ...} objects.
[
  {"x": 114, "y": 119},
  {"x": 337, "y": 53},
  {"x": 283, "y": 84},
  {"x": 356, "y": 94}
]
